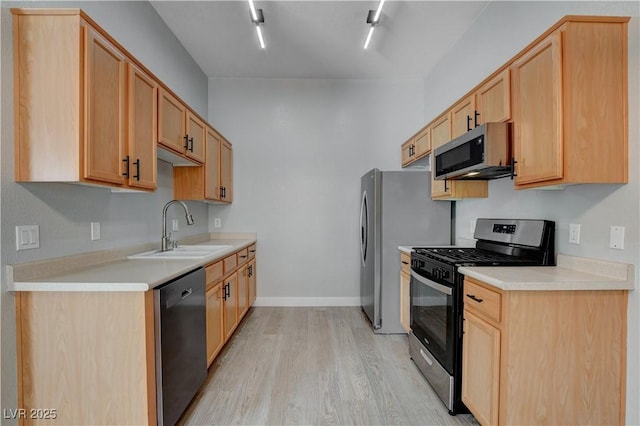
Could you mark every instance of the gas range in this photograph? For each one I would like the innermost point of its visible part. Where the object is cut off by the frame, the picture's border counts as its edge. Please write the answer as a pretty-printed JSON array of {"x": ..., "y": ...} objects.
[{"x": 435, "y": 341}]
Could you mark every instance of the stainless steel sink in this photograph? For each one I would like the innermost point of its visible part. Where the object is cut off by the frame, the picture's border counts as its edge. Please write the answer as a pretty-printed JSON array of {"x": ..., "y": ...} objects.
[{"x": 182, "y": 252}]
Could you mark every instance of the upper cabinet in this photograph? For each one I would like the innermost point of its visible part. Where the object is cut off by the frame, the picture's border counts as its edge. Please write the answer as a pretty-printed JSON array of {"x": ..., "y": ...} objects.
[
  {"x": 417, "y": 147},
  {"x": 88, "y": 112},
  {"x": 566, "y": 94},
  {"x": 463, "y": 117},
  {"x": 212, "y": 182},
  {"x": 493, "y": 99},
  {"x": 179, "y": 130},
  {"x": 142, "y": 129},
  {"x": 70, "y": 93},
  {"x": 570, "y": 106}
]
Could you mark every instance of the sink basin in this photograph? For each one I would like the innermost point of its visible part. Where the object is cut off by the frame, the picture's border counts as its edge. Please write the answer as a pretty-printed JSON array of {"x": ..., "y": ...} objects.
[{"x": 181, "y": 252}]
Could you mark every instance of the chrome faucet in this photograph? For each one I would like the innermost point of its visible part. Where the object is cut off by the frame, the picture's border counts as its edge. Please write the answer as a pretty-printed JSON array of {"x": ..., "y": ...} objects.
[{"x": 167, "y": 242}]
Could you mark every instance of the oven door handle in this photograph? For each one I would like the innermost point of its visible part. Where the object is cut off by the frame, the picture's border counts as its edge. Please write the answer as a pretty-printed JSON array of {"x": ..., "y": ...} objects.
[{"x": 439, "y": 287}]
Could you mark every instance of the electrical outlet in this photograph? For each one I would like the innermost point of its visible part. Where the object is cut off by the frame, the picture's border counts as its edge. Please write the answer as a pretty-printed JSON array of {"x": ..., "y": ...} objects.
[
  {"x": 27, "y": 237},
  {"x": 574, "y": 233},
  {"x": 616, "y": 237},
  {"x": 95, "y": 231},
  {"x": 174, "y": 225},
  {"x": 217, "y": 222}
]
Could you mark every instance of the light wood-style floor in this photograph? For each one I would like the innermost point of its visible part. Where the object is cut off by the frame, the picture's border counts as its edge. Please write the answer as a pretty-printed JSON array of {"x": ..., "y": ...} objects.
[{"x": 315, "y": 366}]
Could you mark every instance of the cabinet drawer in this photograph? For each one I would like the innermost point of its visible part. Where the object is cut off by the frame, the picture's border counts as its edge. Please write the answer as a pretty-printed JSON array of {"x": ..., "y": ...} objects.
[
  {"x": 230, "y": 263},
  {"x": 405, "y": 262},
  {"x": 482, "y": 300},
  {"x": 252, "y": 251},
  {"x": 243, "y": 256},
  {"x": 214, "y": 273}
]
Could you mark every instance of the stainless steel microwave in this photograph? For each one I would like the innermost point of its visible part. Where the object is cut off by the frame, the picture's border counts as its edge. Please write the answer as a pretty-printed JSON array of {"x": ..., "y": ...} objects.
[{"x": 481, "y": 153}]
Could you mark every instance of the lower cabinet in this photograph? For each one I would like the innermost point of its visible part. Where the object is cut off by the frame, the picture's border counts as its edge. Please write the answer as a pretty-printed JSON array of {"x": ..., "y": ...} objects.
[
  {"x": 215, "y": 318},
  {"x": 230, "y": 304},
  {"x": 243, "y": 291},
  {"x": 544, "y": 357},
  {"x": 252, "y": 282},
  {"x": 405, "y": 291}
]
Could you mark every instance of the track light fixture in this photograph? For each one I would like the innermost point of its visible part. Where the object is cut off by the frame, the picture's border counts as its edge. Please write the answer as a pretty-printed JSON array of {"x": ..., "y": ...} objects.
[
  {"x": 257, "y": 17},
  {"x": 373, "y": 17}
]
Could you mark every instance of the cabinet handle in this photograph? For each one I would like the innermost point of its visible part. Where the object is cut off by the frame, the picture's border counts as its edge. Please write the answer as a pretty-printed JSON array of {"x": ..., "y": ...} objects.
[
  {"x": 405, "y": 263},
  {"x": 250, "y": 271},
  {"x": 244, "y": 256},
  {"x": 223, "y": 192},
  {"x": 473, "y": 297},
  {"x": 228, "y": 290},
  {"x": 186, "y": 141},
  {"x": 137, "y": 164},
  {"x": 513, "y": 168},
  {"x": 468, "y": 123},
  {"x": 445, "y": 186},
  {"x": 126, "y": 168},
  {"x": 191, "y": 147},
  {"x": 476, "y": 114}
]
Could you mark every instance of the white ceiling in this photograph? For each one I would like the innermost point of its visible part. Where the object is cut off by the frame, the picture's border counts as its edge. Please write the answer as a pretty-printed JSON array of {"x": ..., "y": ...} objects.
[{"x": 318, "y": 39}]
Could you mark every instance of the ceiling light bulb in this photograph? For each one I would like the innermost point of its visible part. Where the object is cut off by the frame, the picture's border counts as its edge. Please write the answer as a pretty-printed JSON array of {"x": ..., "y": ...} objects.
[
  {"x": 378, "y": 11},
  {"x": 254, "y": 14},
  {"x": 260, "y": 36},
  {"x": 366, "y": 43}
]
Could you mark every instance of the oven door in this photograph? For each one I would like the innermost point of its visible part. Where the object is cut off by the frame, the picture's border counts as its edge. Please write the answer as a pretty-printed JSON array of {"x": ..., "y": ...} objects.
[{"x": 433, "y": 318}]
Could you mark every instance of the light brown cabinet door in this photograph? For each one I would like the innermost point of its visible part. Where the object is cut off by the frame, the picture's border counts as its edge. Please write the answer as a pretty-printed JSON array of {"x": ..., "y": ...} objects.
[
  {"x": 440, "y": 134},
  {"x": 196, "y": 135},
  {"x": 537, "y": 112},
  {"x": 493, "y": 100},
  {"x": 463, "y": 117},
  {"x": 212, "y": 165},
  {"x": 423, "y": 142},
  {"x": 405, "y": 301},
  {"x": 104, "y": 110},
  {"x": 230, "y": 305},
  {"x": 481, "y": 369},
  {"x": 226, "y": 172},
  {"x": 171, "y": 122},
  {"x": 214, "y": 320},
  {"x": 142, "y": 129},
  {"x": 243, "y": 291},
  {"x": 408, "y": 153},
  {"x": 252, "y": 282}
]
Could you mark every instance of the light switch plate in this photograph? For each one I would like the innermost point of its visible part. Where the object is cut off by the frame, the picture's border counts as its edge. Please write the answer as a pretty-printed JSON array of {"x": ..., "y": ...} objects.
[
  {"x": 95, "y": 231},
  {"x": 574, "y": 233},
  {"x": 27, "y": 237},
  {"x": 616, "y": 237},
  {"x": 174, "y": 225}
]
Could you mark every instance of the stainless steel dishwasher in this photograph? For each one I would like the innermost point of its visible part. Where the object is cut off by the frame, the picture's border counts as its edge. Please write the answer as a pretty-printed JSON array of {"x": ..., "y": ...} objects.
[{"x": 181, "y": 350}]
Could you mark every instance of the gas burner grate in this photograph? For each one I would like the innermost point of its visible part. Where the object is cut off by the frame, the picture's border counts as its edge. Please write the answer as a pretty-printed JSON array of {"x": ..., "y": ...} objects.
[{"x": 471, "y": 256}]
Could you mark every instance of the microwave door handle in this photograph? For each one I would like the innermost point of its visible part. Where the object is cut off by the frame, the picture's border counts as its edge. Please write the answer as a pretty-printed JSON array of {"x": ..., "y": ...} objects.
[{"x": 434, "y": 285}]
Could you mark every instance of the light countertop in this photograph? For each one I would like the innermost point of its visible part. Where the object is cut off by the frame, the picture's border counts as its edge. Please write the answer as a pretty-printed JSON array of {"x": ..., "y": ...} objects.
[
  {"x": 571, "y": 273},
  {"x": 125, "y": 274}
]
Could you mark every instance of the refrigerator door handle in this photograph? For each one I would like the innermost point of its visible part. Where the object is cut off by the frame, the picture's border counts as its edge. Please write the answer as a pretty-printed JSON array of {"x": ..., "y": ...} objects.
[{"x": 364, "y": 227}]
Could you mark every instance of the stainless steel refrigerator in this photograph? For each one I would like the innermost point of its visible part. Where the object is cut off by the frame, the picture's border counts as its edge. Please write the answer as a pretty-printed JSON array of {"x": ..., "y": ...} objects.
[{"x": 396, "y": 209}]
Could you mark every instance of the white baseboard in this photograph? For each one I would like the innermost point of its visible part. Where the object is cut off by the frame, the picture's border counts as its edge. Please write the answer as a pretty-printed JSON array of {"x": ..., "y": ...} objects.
[{"x": 307, "y": 301}]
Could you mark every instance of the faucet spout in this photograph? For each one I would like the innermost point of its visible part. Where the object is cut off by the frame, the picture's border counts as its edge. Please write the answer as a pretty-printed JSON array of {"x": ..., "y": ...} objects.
[{"x": 167, "y": 243}]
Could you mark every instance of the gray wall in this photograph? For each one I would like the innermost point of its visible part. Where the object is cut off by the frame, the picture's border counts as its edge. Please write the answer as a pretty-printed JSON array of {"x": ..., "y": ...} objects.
[
  {"x": 64, "y": 211},
  {"x": 300, "y": 148},
  {"x": 502, "y": 30}
]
